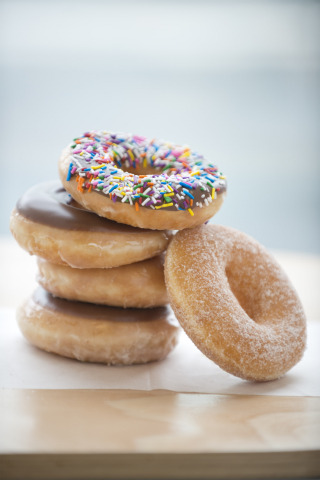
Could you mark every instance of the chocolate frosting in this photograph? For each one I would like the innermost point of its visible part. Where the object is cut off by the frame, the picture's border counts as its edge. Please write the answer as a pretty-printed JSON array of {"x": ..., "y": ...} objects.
[
  {"x": 98, "y": 312},
  {"x": 49, "y": 204}
]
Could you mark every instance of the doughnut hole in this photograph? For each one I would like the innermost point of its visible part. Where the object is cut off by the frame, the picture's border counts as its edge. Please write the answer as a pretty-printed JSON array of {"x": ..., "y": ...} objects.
[
  {"x": 258, "y": 285},
  {"x": 243, "y": 297},
  {"x": 141, "y": 170},
  {"x": 245, "y": 283},
  {"x": 145, "y": 170}
]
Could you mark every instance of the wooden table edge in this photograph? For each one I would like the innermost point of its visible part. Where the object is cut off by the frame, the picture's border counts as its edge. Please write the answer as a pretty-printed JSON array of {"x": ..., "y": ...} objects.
[{"x": 278, "y": 464}]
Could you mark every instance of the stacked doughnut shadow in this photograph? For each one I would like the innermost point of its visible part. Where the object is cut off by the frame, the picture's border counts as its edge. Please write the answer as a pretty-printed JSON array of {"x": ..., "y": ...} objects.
[{"x": 101, "y": 295}]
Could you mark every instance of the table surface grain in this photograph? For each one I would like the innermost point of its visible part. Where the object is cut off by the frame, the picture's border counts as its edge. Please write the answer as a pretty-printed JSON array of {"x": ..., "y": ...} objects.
[{"x": 55, "y": 434}]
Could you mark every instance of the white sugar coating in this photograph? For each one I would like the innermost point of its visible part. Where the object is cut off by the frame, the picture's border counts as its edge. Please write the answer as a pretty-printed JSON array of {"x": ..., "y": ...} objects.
[{"x": 235, "y": 302}]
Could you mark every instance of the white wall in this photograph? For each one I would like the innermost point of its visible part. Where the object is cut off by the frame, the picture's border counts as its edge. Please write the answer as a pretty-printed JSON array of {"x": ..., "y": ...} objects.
[{"x": 237, "y": 80}]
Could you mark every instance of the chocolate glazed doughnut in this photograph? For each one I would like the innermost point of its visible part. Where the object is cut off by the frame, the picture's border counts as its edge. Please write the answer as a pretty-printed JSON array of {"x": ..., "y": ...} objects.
[
  {"x": 96, "y": 333},
  {"x": 47, "y": 222}
]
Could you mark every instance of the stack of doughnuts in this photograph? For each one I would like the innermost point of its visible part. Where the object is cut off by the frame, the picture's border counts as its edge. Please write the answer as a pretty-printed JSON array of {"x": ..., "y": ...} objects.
[
  {"x": 101, "y": 236},
  {"x": 102, "y": 296}
]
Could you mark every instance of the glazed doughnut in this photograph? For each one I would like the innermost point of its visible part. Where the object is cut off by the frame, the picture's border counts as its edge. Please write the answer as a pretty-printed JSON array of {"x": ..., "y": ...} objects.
[
  {"x": 138, "y": 285},
  {"x": 47, "y": 222},
  {"x": 95, "y": 333},
  {"x": 234, "y": 302},
  {"x": 147, "y": 184}
]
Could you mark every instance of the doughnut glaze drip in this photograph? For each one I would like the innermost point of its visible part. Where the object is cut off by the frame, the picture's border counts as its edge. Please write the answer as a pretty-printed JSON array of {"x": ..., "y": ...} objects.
[{"x": 181, "y": 180}]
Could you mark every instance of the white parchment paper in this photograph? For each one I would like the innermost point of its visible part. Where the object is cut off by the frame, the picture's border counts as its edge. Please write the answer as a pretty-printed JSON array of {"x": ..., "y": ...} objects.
[{"x": 186, "y": 369}]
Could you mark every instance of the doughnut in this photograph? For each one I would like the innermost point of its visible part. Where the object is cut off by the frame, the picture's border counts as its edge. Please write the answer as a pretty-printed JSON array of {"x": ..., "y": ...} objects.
[
  {"x": 96, "y": 333},
  {"x": 147, "y": 184},
  {"x": 234, "y": 302},
  {"x": 48, "y": 223},
  {"x": 138, "y": 285}
]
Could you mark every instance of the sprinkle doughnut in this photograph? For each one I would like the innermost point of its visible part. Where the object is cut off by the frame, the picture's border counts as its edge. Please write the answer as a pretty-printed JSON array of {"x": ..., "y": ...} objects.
[
  {"x": 138, "y": 285},
  {"x": 95, "y": 333},
  {"x": 47, "y": 222},
  {"x": 147, "y": 184},
  {"x": 234, "y": 302}
]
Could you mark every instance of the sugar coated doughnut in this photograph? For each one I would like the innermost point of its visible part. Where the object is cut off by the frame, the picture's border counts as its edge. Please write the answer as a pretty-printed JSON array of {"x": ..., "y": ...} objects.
[
  {"x": 95, "y": 333},
  {"x": 138, "y": 285},
  {"x": 148, "y": 184},
  {"x": 234, "y": 301},
  {"x": 47, "y": 222}
]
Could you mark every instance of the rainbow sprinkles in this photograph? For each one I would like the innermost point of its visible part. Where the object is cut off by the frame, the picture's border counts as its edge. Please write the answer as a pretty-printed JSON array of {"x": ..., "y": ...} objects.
[{"x": 181, "y": 179}]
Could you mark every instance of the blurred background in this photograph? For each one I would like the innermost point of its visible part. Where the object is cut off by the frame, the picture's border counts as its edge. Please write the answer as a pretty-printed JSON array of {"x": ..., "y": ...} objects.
[{"x": 236, "y": 80}]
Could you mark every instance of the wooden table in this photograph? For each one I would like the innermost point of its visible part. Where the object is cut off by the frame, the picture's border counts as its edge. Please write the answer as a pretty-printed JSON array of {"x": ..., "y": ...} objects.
[{"x": 95, "y": 434}]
